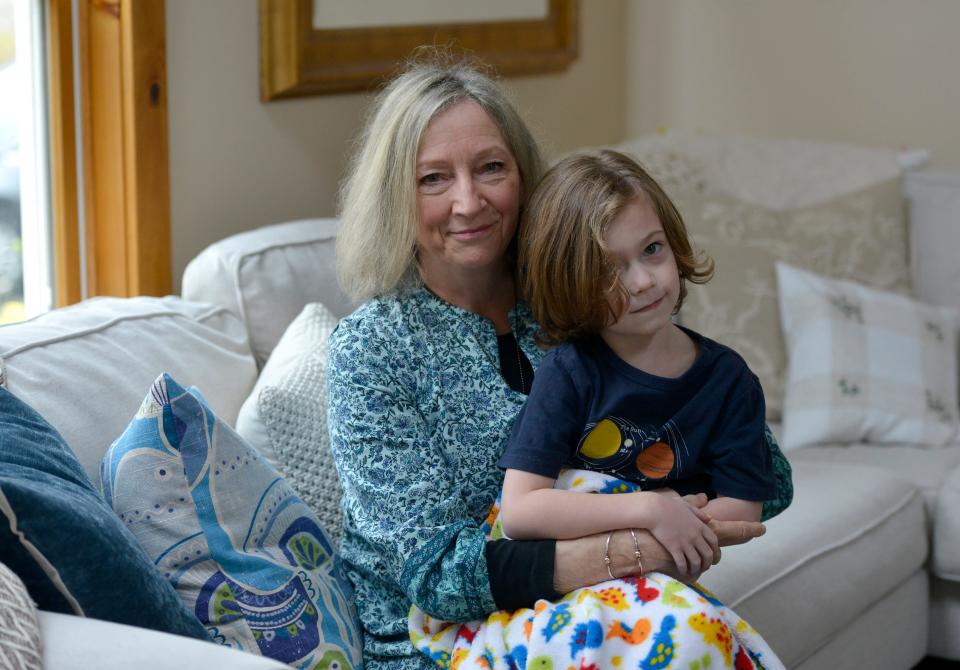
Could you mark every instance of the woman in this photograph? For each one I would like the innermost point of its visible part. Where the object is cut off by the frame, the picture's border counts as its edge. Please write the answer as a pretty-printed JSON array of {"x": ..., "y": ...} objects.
[{"x": 426, "y": 378}]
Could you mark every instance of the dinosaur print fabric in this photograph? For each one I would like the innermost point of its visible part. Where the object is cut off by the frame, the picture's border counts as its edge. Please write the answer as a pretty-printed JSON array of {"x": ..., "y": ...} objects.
[{"x": 648, "y": 622}]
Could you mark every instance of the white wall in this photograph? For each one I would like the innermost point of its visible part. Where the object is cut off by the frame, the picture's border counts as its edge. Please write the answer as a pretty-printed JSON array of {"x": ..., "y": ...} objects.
[
  {"x": 873, "y": 72},
  {"x": 236, "y": 163}
]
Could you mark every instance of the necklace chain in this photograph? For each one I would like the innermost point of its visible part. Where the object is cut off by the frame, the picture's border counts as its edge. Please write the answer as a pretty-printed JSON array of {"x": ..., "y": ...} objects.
[{"x": 516, "y": 343}]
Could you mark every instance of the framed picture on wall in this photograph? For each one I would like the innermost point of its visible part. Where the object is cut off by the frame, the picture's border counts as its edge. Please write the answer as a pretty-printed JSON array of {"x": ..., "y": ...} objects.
[{"x": 316, "y": 47}]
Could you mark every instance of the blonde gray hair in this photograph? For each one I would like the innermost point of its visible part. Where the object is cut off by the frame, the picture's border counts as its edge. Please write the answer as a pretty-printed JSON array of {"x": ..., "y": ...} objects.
[{"x": 376, "y": 243}]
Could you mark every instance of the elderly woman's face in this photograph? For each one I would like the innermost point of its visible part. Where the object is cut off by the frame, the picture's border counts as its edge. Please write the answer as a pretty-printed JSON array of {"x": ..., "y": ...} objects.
[{"x": 468, "y": 192}]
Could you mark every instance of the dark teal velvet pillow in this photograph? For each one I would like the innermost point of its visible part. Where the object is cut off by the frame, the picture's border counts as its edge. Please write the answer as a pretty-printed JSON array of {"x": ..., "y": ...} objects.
[{"x": 63, "y": 540}]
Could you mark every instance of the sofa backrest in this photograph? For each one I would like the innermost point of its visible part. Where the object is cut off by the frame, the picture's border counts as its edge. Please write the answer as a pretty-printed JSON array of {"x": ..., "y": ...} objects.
[
  {"x": 87, "y": 368},
  {"x": 266, "y": 276}
]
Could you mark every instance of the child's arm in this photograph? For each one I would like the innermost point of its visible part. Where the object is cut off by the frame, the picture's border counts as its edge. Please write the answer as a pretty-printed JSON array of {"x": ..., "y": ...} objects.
[
  {"x": 723, "y": 508},
  {"x": 532, "y": 509},
  {"x": 734, "y": 509}
]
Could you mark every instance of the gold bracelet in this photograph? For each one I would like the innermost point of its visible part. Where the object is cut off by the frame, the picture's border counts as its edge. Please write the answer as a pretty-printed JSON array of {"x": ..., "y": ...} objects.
[
  {"x": 636, "y": 552},
  {"x": 606, "y": 554}
]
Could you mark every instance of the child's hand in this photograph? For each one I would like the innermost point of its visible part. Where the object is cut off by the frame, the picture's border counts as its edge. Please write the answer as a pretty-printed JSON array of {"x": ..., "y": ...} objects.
[{"x": 682, "y": 528}]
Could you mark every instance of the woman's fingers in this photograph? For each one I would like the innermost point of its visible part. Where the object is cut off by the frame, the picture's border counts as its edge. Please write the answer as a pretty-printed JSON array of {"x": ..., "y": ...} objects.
[{"x": 736, "y": 532}]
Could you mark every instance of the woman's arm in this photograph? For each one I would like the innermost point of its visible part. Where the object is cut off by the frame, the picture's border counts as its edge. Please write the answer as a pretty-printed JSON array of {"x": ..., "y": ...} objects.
[
  {"x": 401, "y": 497},
  {"x": 784, "y": 474}
]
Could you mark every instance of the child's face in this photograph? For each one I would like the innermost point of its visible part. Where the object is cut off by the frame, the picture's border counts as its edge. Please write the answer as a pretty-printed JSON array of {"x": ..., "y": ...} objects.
[{"x": 648, "y": 269}]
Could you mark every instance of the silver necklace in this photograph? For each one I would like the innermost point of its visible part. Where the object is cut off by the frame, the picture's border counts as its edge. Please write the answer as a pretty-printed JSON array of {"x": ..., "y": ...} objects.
[{"x": 516, "y": 343}]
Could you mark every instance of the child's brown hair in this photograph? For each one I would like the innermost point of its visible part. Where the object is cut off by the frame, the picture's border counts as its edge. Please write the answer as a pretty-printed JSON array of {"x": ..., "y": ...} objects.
[{"x": 564, "y": 270}]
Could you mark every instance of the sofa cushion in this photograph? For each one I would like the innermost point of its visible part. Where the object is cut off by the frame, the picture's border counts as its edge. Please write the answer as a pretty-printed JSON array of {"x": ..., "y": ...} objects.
[
  {"x": 924, "y": 468},
  {"x": 285, "y": 417},
  {"x": 865, "y": 365},
  {"x": 267, "y": 276},
  {"x": 851, "y": 536},
  {"x": 946, "y": 527},
  {"x": 833, "y": 209},
  {"x": 74, "y": 555},
  {"x": 85, "y": 366},
  {"x": 241, "y": 549},
  {"x": 934, "y": 197},
  {"x": 74, "y": 643}
]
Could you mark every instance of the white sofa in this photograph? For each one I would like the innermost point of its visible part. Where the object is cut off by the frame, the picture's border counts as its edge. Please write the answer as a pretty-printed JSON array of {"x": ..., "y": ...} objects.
[{"x": 862, "y": 571}]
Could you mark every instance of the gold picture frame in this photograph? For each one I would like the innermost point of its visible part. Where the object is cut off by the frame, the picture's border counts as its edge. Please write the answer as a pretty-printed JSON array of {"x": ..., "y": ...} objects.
[{"x": 297, "y": 59}]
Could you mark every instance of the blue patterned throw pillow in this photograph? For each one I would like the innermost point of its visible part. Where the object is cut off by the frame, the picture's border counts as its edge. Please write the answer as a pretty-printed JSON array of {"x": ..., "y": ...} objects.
[
  {"x": 64, "y": 541},
  {"x": 245, "y": 554}
]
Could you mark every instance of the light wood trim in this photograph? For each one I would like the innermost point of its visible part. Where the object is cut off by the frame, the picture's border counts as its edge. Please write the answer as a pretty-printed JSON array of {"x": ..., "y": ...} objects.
[
  {"x": 126, "y": 189},
  {"x": 146, "y": 159},
  {"x": 63, "y": 152},
  {"x": 297, "y": 60}
]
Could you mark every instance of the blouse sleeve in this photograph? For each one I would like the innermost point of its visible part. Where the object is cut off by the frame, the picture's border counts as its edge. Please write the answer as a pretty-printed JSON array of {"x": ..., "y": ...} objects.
[
  {"x": 398, "y": 488},
  {"x": 784, "y": 475}
]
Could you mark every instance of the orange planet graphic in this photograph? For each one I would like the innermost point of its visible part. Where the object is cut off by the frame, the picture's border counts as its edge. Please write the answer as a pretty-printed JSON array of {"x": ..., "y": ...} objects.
[{"x": 656, "y": 461}]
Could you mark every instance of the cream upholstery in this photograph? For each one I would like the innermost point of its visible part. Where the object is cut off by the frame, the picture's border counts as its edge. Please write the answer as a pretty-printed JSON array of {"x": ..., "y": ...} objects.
[
  {"x": 266, "y": 276},
  {"x": 85, "y": 368}
]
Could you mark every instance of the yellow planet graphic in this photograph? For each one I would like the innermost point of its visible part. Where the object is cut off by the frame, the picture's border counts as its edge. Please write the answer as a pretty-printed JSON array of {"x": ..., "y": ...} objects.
[{"x": 603, "y": 441}]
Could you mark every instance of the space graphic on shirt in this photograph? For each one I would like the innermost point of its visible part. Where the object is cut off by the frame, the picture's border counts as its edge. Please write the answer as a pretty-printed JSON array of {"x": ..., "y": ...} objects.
[{"x": 618, "y": 446}]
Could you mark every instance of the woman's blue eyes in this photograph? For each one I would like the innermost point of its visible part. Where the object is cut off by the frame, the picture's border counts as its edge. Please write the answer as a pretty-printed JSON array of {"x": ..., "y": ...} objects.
[
  {"x": 652, "y": 249},
  {"x": 435, "y": 178}
]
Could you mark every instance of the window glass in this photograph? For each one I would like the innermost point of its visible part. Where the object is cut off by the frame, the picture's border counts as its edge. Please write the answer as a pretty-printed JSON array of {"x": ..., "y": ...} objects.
[{"x": 25, "y": 267}]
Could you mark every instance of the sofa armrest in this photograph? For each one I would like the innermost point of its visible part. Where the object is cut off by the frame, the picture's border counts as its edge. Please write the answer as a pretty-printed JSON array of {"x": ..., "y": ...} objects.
[
  {"x": 946, "y": 528},
  {"x": 77, "y": 643},
  {"x": 266, "y": 276}
]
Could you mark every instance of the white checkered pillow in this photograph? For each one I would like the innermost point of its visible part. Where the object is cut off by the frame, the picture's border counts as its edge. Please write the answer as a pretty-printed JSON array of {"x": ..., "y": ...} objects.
[{"x": 865, "y": 365}]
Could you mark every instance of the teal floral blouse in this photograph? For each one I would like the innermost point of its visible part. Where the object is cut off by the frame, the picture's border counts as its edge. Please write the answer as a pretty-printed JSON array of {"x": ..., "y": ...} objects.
[{"x": 419, "y": 416}]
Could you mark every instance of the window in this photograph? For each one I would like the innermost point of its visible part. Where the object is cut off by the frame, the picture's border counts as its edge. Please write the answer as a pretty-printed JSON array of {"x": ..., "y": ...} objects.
[
  {"x": 84, "y": 189},
  {"x": 25, "y": 240}
]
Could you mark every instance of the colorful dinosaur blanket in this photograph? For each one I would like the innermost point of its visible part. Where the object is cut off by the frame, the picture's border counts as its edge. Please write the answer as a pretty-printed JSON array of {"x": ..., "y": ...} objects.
[{"x": 653, "y": 621}]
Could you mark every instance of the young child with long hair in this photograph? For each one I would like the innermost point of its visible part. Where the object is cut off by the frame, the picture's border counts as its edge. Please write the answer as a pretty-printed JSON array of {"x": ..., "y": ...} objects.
[
  {"x": 604, "y": 257},
  {"x": 625, "y": 402}
]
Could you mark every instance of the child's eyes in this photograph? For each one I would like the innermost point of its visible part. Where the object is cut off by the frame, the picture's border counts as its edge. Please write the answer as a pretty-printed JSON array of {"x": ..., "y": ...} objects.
[{"x": 653, "y": 249}]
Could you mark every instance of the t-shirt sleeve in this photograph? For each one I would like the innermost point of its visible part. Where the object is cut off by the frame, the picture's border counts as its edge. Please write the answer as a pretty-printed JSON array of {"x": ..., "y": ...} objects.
[
  {"x": 741, "y": 464},
  {"x": 550, "y": 422}
]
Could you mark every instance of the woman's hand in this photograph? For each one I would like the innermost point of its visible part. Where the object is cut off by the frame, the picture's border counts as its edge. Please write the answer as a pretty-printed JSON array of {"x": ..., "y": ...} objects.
[{"x": 681, "y": 526}]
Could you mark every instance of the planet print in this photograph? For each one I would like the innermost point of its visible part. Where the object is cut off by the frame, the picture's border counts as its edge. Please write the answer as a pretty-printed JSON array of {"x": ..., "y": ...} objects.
[
  {"x": 656, "y": 461},
  {"x": 603, "y": 441}
]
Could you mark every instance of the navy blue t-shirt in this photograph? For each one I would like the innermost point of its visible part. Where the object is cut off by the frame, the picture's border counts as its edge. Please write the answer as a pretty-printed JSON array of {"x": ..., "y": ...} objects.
[{"x": 700, "y": 432}]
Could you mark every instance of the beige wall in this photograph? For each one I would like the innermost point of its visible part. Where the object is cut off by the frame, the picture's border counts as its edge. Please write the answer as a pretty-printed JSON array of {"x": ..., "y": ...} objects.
[
  {"x": 874, "y": 72},
  {"x": 236, "y": 164}
]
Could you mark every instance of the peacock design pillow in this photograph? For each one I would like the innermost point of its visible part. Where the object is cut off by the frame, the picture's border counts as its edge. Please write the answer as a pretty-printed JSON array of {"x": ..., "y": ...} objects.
[{"x": 241, "y": 549}]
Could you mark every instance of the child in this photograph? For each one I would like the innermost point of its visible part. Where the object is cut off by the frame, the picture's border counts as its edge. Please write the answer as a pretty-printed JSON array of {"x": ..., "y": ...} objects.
[
  {"x": 604, "y": 257},
  {"x": 629, "y": 401}
]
